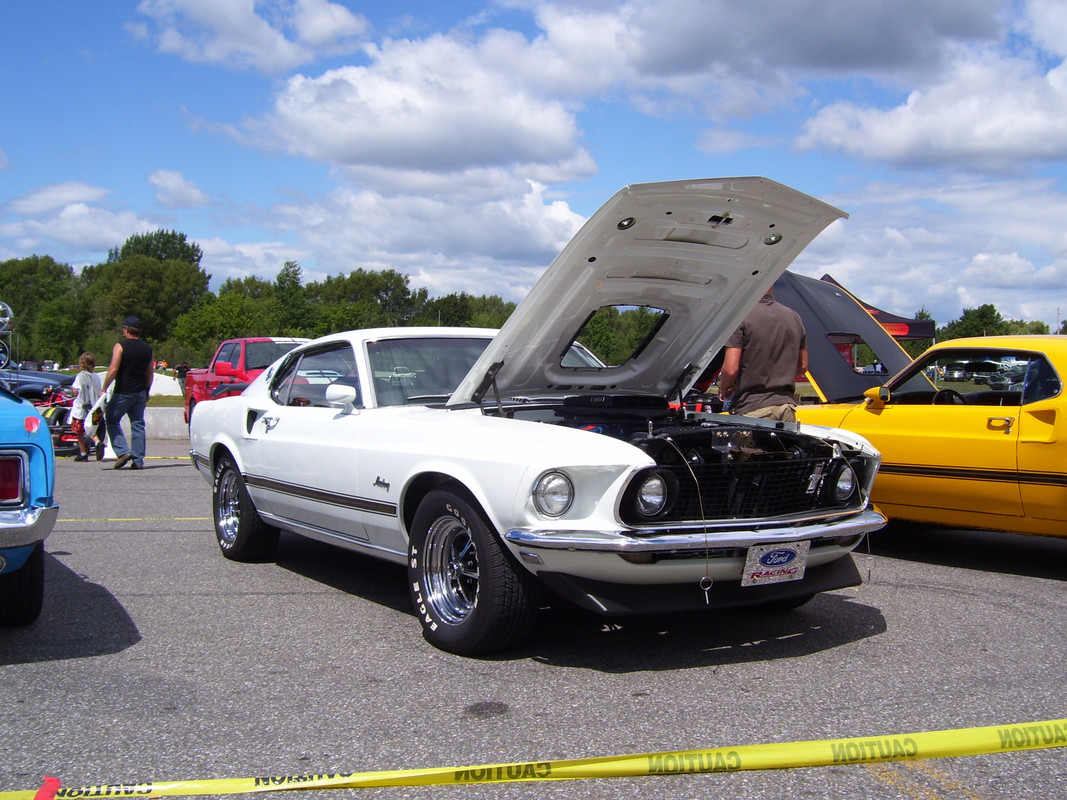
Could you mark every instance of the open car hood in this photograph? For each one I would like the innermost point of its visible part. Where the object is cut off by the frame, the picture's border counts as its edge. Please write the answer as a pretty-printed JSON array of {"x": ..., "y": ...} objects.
[{"x": 702, "y": 251}]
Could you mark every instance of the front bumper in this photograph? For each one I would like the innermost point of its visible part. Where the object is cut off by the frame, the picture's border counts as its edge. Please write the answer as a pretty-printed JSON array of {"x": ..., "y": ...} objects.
[
  {"x": 693, "y": 540},
  {"x": 620, "y": 572}
]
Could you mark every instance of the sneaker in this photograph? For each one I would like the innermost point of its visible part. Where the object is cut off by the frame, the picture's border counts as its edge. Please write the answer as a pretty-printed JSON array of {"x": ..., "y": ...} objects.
[
  {"x": 122, "y": 461},
  {"x": 81, "y": 458}
]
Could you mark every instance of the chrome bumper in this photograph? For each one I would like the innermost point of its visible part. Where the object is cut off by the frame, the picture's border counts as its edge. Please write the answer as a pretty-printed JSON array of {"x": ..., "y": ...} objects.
[
  {"x": 624, "y": 541},
  {"x": 23, "y": 526}
]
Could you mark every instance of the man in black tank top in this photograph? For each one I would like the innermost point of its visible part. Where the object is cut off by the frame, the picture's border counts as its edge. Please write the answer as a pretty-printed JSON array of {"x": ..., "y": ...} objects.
[{"x": 131, "y": 370}]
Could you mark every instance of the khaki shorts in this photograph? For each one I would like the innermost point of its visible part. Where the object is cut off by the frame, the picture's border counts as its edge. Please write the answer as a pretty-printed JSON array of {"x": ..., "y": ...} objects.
[{"x": 786, "y": 412}]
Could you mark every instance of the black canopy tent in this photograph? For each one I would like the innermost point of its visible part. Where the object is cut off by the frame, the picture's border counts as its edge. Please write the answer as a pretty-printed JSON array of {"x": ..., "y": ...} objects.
[
  {"x": 835, "y": 321},
  {"x": 900, "y": 328}
]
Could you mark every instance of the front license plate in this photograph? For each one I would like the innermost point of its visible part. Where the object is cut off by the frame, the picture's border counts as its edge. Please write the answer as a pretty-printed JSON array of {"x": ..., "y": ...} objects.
[{"x": 775, "y": 563}]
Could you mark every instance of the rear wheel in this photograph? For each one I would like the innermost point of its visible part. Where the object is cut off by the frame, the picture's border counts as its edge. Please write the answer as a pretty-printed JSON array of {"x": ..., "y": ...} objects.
[
  {"x": 22, "y": 591},
  {"x": 470, "y": 595},
  {"x": 241, "y": 533}
]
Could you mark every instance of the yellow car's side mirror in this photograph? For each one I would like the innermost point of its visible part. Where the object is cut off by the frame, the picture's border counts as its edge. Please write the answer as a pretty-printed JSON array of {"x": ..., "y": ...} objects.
[{"x": 877, "y": 395}]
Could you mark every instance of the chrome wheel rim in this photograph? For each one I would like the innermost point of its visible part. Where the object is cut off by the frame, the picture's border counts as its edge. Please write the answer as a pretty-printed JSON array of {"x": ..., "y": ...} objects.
[
  {"x": 450, "y": 570},
  {"x": 227, "y": 509}
]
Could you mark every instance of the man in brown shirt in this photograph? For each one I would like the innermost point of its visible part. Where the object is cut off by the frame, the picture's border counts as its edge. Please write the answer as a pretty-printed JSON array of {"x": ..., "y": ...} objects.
[{"x": 762, "y": 360}]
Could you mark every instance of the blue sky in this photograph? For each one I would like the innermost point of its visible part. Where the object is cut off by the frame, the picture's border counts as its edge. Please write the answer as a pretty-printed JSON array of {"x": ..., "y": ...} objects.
[{"x": 463, "y": 143}]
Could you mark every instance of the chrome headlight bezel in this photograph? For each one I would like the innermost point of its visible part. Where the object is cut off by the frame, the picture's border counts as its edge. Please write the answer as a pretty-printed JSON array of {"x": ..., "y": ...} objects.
[
  {"x": 553, "y": 494},
  {"x": 845, "y": 484},
  {"x": 652, "y": 494}
]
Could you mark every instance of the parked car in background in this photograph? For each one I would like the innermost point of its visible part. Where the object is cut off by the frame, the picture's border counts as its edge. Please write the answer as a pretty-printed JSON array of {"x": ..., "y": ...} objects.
[
  {"x": 992, "y": 458},
  {"x": 27, "y": 508},
  {"x": 1009, "y": 378},
  {"x": 528, "y": 467},
  {"x": 954, "y": 372},
  {"x": 236, "y": 363},
  {"x": 980, "y": 371},
  {"x": 38, "y": 386}
]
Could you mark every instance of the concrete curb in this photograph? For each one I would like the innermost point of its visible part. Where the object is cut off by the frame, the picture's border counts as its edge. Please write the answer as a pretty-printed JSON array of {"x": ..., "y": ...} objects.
[{"x": 164, "y": 423}]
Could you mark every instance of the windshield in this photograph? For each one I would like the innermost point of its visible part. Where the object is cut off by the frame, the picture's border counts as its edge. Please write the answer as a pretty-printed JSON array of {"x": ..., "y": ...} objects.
[
  {"x": 260, "y": 355},
  {"x": 421, "y": 370}
]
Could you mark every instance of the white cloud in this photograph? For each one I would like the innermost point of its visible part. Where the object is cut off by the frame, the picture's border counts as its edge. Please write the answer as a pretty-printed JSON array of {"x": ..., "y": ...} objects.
[
  {"x": 485, "y": 246},
  {"x": 947, "y": 248},
  {"x": 174, "y": 191},
  {"x": 231, "y": 33},
  {"x": 992, "y": 113},
  {"x": 84, "y": 230},
  {"x": 56, "y": 196},
  {"x": 425, "y": 106}
]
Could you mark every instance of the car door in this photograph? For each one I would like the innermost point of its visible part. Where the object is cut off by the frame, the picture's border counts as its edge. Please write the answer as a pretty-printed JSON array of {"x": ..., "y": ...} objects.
[
  {"x": 1043, "y": 442},
  {"x": 946, "y": 443},
  {"x": 307, "y": 451}
]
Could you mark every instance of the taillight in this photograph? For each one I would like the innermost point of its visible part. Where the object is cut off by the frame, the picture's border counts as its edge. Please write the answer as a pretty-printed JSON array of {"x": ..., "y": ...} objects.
[{"x": 10, "y": 479}]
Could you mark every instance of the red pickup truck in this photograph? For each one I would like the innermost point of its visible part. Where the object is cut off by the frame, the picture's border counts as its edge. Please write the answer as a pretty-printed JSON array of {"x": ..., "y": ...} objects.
[{"x": 236, "y": 363}]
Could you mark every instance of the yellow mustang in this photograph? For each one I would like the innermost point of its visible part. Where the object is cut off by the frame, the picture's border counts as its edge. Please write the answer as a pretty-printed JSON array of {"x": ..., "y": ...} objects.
[{"x": 973, "y": 434}]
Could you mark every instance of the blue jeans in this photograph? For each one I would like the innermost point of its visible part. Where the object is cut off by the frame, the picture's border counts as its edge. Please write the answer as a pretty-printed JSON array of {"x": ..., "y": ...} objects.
[{"x": 132, "y": 406}]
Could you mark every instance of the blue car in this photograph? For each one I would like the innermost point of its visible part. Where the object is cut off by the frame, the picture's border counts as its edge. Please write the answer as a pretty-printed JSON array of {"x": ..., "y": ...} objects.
[{"x": 27, "y": 507}]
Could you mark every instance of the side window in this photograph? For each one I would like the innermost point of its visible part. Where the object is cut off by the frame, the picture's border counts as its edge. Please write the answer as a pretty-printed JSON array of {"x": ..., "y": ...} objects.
[
  {"x": 231, "y": 353},
  {"x": 978, "y": 378},
  {"x": 303, "y": 380},
  {"x": 1041, "y": 381}
]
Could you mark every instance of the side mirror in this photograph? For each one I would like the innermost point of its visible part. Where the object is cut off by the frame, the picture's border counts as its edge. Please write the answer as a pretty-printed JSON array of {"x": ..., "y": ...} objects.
[
  {"x": 224, "y": 369},
  {"x": 878, "y": 394},
  {"x": 344, "y": 395}
]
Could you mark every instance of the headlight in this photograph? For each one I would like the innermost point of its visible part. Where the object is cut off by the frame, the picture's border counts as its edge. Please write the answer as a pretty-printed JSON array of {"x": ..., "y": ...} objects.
[
  {"x": 553, "y": 494},
  {"x": 844, "y": 484},
  {"x": 651, "y": 495}
]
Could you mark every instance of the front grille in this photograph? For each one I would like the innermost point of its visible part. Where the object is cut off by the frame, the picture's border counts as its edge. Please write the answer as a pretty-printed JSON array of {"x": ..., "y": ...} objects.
[{"x": 755, "y": 489}]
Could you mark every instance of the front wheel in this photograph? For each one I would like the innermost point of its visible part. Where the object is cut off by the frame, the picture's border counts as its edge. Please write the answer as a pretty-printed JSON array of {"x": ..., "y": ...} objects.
[
  {"x": 22, "y": 591},
  {"x": 241, "y": 533},
  {"x": 470, "y": 595}
]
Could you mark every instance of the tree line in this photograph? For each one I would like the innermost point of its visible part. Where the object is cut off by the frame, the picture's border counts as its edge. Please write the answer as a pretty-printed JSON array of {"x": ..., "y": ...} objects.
[{"x": 60, "y": 313}]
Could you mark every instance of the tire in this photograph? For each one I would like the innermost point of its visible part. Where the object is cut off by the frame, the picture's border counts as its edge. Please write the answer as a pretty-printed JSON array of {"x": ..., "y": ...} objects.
[
  {"x": 240, "y": 531},
  {"x": 470, "y": 595},
  {"x": 22, "y": 591}
]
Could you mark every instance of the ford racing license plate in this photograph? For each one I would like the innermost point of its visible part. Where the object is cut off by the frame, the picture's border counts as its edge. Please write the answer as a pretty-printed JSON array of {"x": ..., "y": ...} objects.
[{"x": 775, "y": 563}]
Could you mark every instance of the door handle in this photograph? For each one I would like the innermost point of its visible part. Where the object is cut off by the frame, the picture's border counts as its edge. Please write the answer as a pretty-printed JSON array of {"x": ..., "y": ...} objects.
[{"x": 1008, "y": 422}]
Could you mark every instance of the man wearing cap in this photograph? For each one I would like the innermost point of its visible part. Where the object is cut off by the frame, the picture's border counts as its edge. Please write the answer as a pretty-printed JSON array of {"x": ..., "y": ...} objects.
[{"x": 131, "y": 372}]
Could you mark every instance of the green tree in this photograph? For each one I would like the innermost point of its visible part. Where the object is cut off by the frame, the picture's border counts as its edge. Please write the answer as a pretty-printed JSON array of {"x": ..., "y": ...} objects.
[
  {"x": 982, "y": 321},
  {"x": 197, "y": 333},
  {"x": 291, "y": 305},
  {"x": 162, "y": 245},
  {"x": 157, "y": 292},
  {"x": 29, "y": 286},
  {"x": 387, "y": 291},
  {"x": 1018, "y": 327}
]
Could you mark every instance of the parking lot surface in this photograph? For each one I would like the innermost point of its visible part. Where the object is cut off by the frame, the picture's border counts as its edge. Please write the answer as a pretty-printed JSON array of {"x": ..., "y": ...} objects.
[{"x": 157, "y": 659}]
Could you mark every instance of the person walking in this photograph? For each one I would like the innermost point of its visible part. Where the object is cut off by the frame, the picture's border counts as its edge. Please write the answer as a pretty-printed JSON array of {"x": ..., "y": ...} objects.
[
  {"x": 131, "y": 372},
  {"x": 762, "y": 360},
  {"x": 87, "y": 385}
]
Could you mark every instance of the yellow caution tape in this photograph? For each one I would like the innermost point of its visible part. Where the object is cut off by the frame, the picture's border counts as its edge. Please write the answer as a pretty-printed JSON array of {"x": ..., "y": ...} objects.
[{"x": 827, "y": 752}]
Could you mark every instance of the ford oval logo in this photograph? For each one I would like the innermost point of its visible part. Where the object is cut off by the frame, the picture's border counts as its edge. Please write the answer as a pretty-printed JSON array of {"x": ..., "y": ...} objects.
[{"x": 777, "y": 558}]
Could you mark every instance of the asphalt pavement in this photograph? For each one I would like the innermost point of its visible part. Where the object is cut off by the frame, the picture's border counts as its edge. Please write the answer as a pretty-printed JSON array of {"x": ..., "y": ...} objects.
[{"x": 156, "y": 659}]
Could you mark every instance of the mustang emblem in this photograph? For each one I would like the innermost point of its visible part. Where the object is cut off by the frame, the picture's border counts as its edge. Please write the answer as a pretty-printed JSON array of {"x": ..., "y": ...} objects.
[{"x": 382, "y": 483}]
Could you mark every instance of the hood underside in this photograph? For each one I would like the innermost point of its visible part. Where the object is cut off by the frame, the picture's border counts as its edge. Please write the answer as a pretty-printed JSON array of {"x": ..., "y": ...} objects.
[{"x": 698, "y": 254}]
